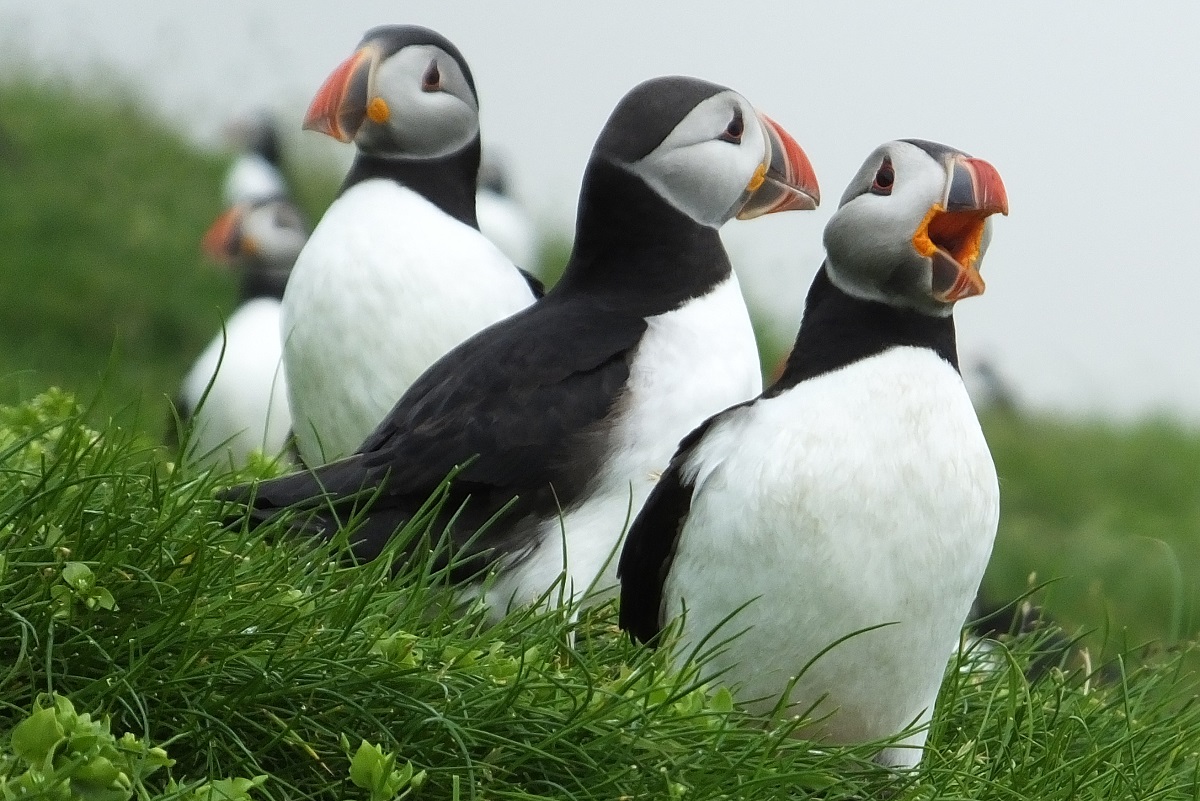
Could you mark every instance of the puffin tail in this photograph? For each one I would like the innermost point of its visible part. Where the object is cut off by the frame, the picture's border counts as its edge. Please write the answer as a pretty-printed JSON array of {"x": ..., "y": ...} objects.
[{"x": 316, "y": 497}]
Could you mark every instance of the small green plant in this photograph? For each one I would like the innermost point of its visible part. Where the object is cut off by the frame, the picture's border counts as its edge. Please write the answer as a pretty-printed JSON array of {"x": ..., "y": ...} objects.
[{"x": 375, "y": 771}]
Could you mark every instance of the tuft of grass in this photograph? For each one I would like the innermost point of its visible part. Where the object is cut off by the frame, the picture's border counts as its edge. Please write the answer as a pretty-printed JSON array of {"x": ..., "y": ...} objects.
[{"x": 250, "y": 655}]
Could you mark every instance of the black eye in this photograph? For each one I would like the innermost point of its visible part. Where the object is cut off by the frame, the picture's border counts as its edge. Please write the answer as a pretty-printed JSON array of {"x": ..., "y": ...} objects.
[
  {"x": 884, "y": 178},
  {"x": 431, "y": 81},
  {"x": 733, "y": 131}
]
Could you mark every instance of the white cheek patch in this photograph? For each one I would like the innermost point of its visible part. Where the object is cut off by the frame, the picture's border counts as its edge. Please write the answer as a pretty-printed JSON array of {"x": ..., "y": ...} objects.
[
  {"x": 701, "y": 175},
  {"x": 427, "y": 124}
]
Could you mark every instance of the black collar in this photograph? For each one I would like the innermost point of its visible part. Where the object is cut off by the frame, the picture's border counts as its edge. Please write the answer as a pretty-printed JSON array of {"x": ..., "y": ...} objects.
[
  {"x": 635, "y": 249},
  {"x": 839, "y": 329},
  {"x": 260, "y": 281},
  {"x": 448, "y": 182}
]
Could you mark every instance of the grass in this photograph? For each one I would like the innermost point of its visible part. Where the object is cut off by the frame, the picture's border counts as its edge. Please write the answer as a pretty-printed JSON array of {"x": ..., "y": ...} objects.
[
  {"x": 269, "y": 662},
  {"x": 245, "y": 658},
  {"x": 102, "y": 207},
  {"x": 1110, "y": 516}
]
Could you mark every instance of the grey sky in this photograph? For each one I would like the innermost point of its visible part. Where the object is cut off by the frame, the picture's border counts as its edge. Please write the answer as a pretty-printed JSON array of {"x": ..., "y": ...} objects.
[{"x": 1087, "y": 109}]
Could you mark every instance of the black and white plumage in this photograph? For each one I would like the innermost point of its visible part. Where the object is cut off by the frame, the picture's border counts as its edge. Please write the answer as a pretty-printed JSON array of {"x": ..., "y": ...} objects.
[
  {"x": 857, "y": 491},
  {"x": 396, "y": 272},
  {"x": 257, "y": 172},
  {"x": 573, "y": 405},
  {"x": 239, "y": 376}
]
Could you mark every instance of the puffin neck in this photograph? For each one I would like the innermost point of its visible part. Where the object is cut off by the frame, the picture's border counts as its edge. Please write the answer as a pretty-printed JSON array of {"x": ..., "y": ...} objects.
[
  {"x": 447, "y": 182},
  {"x": 261, "y": 281},
  {"x": 839, "y": 329},
  {"x": 633, "y": 248}
]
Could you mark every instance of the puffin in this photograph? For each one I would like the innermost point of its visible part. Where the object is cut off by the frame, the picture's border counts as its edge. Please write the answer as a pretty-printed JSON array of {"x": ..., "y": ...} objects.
[
  {"x": 821, "y": 544},
  {"x": 257, "y": 172},
  {"x": 502, "y": 219},
  {"x": 396, "y": 272},
  {"x": 235, "y": 396},
  {"x": 556, "y": 421}
]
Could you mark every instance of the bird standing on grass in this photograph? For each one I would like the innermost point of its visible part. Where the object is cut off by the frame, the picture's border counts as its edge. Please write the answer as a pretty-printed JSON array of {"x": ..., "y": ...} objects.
[
  {"x": 572, "y": 406},
  {"x": 235, "y": 396},
  {"x": 396, "y": 272},
  {"x": 825, "y": 540}
]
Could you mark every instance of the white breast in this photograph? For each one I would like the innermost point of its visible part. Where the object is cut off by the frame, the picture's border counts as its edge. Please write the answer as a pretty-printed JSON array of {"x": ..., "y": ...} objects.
[
  {"x": 252, "y": 178},
  {"x": 246, "y": 407},
  {"x": 691, "y": 363},
  {"x": 386, "y": 285},
  {"x": 862, "y": 498}
]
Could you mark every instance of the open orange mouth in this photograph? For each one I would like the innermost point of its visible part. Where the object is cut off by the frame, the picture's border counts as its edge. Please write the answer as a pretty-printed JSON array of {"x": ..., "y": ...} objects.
[{"x": 952, "y": 240}]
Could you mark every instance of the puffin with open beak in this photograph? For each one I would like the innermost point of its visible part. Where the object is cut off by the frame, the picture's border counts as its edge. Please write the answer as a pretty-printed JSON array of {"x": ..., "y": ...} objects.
[
  {"x": 822, "y": 543},
  {"x": 396, "y": 272},
  {"x": 562, "y": 416},
  {"x": 235, "y": 398}
]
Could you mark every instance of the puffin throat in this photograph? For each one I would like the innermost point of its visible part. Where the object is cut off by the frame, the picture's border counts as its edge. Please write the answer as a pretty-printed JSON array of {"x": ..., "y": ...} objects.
[{"x": 952, "y": 241}]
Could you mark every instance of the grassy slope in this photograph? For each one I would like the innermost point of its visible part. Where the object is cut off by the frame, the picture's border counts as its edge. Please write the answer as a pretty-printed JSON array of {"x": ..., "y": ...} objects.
[{"x": 245, "y": 659}]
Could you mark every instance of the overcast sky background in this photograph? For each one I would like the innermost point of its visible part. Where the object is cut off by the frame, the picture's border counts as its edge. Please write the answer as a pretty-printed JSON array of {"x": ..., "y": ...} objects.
[{"x": 1088, "y": 110}]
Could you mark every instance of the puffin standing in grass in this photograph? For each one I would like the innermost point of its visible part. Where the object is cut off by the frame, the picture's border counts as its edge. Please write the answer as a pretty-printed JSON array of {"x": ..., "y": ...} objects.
[
  {"x": 560, "y": 417},
  {"x": 825, "y": 540},
  {"x": 396, "y": 272},
  {"x": 235, "y": 396}
]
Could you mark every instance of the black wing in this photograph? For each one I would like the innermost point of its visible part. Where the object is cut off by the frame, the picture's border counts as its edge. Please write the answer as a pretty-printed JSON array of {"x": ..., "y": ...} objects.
[
  {"x": 518, "y": 408},
  {"x": 650, "y": 545}
]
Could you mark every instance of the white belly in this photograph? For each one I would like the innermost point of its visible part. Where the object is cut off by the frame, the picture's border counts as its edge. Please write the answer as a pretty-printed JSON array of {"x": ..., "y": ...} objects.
[
  {"x": 691, "y": 363},
  {"x": 869, "y": 500},
  {"x": 246, "y": 407},
  {"x": 386, "y": 285}
]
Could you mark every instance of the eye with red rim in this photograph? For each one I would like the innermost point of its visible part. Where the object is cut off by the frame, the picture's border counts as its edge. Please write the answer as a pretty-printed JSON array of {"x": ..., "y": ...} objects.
[
  {"x": 734, "y": 130},
  {"x": 884, "y": 178},
  {"x": 431, "y": 81}
]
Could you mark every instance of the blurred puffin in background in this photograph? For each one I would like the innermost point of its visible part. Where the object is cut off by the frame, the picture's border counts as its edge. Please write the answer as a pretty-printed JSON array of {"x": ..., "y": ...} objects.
[{"x": 234, "y": 399}]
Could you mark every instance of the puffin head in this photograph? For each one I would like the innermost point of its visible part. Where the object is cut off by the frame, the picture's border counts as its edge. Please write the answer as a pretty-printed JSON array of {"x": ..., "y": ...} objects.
[
  {"x": 406, "y": 92},
  {"x": 707, "y": 151},
  {"x": 913, "y": 226},
  {"x": 265, "y": 235}
]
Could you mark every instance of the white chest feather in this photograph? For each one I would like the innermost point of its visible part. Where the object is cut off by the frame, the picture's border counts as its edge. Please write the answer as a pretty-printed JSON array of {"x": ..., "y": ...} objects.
[
  {"x": 863, "y": 498},
  {"x": 386, "y": 285},
  {"x": 246, "y": 405},
  {"x": 691, "y": 363}
]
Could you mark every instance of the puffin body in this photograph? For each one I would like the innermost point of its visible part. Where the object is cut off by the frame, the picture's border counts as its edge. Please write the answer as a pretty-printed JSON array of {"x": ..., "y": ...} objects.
[
  {"x": 396, "y": 273},
  {"x": 824, "y": 541},
  {"x": 561, "y": 416},
  {"x": 386, "y": 285},
  {"x": 235, "y": 396}
]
